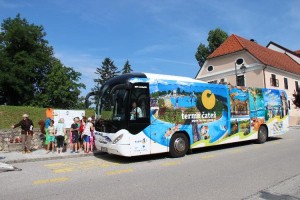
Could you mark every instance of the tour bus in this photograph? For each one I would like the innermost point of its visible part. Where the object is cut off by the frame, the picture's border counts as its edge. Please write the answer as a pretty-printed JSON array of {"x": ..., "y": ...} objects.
[{"x": 143, "y": 113}]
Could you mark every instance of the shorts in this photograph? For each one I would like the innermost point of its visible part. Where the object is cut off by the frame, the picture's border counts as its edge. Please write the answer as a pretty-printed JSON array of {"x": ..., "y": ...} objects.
[
  {"x": 80, "y": 138},
  {"x": 60, "y": 141},
  {"x": 74, "y": 137},
  {"x": 51, "y": 138},
  {"x": 86, "y": 138}
]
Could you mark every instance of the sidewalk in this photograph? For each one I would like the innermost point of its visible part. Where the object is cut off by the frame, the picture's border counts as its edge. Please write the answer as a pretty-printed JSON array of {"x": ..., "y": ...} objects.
[{"x": 39, "y": 155}]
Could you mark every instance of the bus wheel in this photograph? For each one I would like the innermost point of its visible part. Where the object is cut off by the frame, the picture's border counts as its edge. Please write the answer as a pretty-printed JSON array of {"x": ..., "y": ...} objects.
[
  {"x": 179, "y": 145},
  {"x": 262, "y": 134}
]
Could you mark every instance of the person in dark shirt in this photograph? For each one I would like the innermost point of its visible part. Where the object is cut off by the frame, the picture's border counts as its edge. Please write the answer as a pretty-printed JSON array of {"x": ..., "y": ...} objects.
[
  {"x": 75, "y": 134},
  {"x": 26, "y": 132}
]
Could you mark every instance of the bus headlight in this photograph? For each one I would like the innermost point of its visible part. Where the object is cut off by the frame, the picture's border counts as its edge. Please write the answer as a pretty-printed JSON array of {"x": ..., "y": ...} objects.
[{"x": 117, "y": 139}]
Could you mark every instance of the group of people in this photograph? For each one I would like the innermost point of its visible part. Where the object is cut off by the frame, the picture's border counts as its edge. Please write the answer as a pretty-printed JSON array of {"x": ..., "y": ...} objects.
[
  {"x": 82, "y": 131},
  {"x": 81, "y": 135}
]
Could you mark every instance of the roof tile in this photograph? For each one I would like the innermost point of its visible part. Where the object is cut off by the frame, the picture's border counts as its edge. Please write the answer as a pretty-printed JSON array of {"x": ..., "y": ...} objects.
[{"x": 265, "y": 55}]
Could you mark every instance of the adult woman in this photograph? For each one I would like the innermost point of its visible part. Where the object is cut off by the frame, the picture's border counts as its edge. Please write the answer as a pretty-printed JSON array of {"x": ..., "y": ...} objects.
[{"x": 60, "y": 130}]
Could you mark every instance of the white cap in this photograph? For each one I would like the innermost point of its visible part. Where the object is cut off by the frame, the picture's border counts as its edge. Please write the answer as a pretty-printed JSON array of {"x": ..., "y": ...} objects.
[
  {"x": 89, "y": 119},
  {"x": 25, "y": 115}
]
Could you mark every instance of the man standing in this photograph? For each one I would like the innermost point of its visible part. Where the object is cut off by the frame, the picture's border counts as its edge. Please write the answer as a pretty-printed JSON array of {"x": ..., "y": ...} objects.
[{"x": 26, "y": 133}]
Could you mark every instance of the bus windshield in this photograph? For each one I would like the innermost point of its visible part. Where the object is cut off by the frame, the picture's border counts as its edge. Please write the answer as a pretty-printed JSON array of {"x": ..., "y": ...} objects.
[{"x": 111, "y": 104}]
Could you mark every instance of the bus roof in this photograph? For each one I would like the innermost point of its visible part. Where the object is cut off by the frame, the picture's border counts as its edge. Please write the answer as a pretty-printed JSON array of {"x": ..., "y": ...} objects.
[{"x": 172, "y": 77}]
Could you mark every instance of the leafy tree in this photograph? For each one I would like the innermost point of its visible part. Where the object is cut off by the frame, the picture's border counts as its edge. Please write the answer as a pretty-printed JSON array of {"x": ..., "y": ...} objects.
[
  {"x": 29, "y": 72},
  {"x": 201, "y": 54},
  {"x": 24, "y": 60},
  {"x": 127, "y": 68},
  {"x": 61, "y": 88},
  {"x": 215, "y": 39}
]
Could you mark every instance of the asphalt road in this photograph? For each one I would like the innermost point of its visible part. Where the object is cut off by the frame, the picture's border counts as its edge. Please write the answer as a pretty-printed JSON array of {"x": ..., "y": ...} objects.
[{"x": 240, "y": 171}]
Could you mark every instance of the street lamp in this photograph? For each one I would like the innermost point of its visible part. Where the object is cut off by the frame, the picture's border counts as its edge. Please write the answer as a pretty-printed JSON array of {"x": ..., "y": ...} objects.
[{"x": 243, "y": 69}]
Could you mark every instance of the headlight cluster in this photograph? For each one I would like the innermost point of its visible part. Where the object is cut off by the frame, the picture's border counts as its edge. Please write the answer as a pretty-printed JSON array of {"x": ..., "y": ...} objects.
[{"x": 117, "y": 139}]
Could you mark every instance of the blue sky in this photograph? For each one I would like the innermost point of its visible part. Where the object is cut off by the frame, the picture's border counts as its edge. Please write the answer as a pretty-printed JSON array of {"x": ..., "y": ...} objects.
[{"x": 155, "y": 36}]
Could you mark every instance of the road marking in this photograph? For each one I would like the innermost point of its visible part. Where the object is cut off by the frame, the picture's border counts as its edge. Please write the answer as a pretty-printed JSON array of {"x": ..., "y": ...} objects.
[
  {"x": 208, "y": 156},
  {"x": 171, "y": 163},
  {"x": 54, "y": 165},
  {"x": 46, "y": 181},
  {"x": 63, "y": 170},
  {"x": 75, "y": 166},
  {"x": 121, "y": 171},
  {"x": 236, "y": 151}
]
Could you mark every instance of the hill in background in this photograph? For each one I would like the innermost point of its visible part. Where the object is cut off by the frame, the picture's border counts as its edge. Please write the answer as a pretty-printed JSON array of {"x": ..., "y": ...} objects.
[{"x": 10, "y": 115}]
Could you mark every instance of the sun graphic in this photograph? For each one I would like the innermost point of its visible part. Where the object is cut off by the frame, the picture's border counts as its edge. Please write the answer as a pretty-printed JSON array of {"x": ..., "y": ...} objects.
[{"x": 208, "y": 99}]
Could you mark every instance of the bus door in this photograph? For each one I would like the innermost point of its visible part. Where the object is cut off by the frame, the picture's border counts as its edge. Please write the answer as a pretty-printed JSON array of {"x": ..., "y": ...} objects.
[{"x": 139, "y": 118}]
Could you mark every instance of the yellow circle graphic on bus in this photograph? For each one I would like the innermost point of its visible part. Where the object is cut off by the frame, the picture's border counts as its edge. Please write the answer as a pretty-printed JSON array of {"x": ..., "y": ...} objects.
[{"x": 208, "y": 99}]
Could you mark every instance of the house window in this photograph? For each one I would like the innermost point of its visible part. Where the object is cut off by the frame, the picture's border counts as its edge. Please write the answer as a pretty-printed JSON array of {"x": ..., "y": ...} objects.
[
  {"x": 273, "y": 81},
  {"x": 210, "y": 68},
  {"x": 286, "y": 85},
  {"x": 239, "y": 61},
  {"x": 296, "y": 86},
  {"x": 241, "y": 80}
]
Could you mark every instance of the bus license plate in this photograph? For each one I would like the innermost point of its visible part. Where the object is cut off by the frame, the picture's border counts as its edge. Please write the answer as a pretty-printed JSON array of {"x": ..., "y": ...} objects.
[{"x": 104, "y": 149}]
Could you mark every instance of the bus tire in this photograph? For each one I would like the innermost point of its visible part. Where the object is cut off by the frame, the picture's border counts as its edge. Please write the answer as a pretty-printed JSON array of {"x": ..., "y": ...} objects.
[
  {"x": 179, "y": 145},
  {"x": 262, "y": 135}
]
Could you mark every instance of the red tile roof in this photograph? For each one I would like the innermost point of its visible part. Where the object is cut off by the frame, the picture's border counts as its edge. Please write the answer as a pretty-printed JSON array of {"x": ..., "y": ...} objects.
[{"x": 265, "y": 55}]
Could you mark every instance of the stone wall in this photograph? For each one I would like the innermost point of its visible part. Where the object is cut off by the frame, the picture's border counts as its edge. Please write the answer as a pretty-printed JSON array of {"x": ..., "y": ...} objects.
[{"x": 10, "y": 139}]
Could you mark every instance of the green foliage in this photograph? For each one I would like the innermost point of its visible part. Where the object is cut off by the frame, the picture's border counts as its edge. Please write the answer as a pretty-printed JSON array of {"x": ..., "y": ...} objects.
[
  {"x": 218, "y": 108},
  {"x": 107, "y": 71},
  {"x": 215, "y": 39},
  {"x": 171, "y": 115},
  {"x": 11, "y": 115},
  {"x": 127, "y": 68},
  {"x": 24, "y": 59},
  {"x": 201, "y": 54},
  {"x": 29, "y": 73},
  {"x": 60, "y": 88}
]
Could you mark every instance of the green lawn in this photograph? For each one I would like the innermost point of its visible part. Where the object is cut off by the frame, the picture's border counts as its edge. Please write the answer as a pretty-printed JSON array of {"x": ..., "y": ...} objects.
[{"x": 10, "y": 115}]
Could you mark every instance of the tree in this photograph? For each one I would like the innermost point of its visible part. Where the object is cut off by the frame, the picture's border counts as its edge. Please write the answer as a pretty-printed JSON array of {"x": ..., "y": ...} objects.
[
  {"x": 127, "y": 68},
  {"x": 29, "y": 72},
  {"x": 107, "y": 71},
  {"x": 60, "y": 88},
  {"x": 24, "y": 60},
  {"x": 215, "y": 39}
]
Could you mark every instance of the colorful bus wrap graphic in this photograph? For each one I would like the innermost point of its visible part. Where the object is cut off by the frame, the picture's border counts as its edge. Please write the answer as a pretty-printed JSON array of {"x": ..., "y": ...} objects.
[
  {"x": 200, "y": 111},
  {"x": 211, "y": 114}
]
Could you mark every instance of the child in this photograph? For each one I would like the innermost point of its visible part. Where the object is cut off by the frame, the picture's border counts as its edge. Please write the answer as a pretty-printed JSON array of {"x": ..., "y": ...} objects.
[
  {"x": 92, "y": 138},
  {"x": 51, "y": 137}
]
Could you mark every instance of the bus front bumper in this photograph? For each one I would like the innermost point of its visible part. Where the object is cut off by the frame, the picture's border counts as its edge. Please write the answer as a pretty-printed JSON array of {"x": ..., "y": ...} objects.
[{"x": 122, "y": 150}]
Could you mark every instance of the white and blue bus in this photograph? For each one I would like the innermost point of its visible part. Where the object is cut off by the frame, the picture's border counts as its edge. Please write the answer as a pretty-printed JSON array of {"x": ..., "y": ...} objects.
[{"x": 141, "y": 113}]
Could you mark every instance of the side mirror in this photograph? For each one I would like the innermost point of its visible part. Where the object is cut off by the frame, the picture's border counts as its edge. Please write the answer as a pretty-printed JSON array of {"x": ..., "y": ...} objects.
[{"x": 87, "y": 98}]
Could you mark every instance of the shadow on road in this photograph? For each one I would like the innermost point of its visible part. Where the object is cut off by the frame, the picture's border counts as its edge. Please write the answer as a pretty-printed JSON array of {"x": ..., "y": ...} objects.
[{"x": 150, "y": 158}]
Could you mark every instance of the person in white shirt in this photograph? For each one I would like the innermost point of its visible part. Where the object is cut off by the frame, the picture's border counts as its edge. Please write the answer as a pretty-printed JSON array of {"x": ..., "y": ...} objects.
[
  {"x": 88, "y": 128},
  {"x": 60, "y": 132},
  {"x": 136, "y": 112}
]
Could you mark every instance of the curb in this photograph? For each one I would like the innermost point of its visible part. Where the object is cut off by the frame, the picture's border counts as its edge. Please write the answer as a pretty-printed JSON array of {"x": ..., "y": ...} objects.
[{"x": 24, "y": 160}]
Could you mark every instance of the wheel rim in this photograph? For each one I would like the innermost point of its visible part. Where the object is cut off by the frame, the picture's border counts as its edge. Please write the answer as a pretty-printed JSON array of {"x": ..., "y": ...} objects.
[{"x": 179, "y": 145}]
